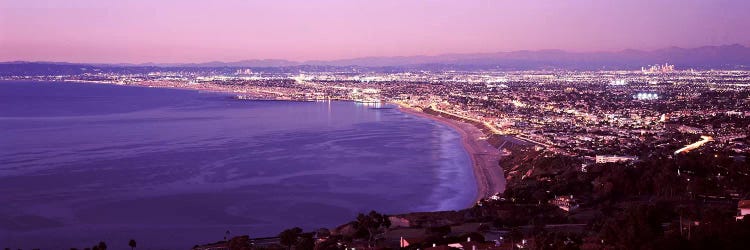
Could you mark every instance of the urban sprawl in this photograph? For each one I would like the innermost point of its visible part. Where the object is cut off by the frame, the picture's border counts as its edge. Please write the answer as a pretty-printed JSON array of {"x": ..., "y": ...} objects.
[{"x": 633, "y": 159}]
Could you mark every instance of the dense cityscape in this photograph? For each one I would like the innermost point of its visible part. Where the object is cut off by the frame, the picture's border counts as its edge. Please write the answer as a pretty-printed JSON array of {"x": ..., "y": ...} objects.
[
  {"x": 587, "y": 155},
  {"x": 582, "y": 113},
  {"x": 374, "y": 125}
]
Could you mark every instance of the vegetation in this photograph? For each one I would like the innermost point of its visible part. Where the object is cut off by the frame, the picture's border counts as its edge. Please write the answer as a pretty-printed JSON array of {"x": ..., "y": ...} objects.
[
  {"x": 289, "y": 237},
  {"x": 373, "y": 223}
]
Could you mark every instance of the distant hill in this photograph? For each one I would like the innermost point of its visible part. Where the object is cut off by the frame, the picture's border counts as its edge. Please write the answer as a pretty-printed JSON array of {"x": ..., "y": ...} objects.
[
  {"x": 728, "y": 56},
  {"x": 714, "y": 57},
  {"x": 56, "y": 68}
]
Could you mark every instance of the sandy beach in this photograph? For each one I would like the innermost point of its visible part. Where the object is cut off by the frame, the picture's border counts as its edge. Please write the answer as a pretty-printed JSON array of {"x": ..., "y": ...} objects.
[{"x": 485, "y": 158}]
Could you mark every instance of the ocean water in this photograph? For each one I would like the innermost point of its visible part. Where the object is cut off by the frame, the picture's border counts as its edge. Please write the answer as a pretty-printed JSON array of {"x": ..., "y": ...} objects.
[{"x": 83, "y": 163}]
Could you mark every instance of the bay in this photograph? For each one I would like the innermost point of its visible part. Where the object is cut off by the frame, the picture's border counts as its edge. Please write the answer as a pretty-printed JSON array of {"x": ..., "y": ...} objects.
[{"x": 83, "y": 163}]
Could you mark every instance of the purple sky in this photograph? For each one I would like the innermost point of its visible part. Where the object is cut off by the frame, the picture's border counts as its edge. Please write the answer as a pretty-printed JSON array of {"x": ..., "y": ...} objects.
[{"x": 139, "y": 31}]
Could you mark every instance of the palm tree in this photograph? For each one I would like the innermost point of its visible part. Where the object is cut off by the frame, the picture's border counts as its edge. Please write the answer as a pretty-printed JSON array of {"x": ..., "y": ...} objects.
[{"x": 131, "y": 244}]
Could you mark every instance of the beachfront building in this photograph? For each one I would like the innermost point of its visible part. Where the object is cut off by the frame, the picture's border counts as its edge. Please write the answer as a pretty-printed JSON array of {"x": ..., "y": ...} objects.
[{"x": 614, "y": 158}]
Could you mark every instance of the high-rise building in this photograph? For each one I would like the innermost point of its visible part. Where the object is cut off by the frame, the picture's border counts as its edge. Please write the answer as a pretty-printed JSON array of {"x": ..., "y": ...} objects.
[{"x": 655, "y": 69}]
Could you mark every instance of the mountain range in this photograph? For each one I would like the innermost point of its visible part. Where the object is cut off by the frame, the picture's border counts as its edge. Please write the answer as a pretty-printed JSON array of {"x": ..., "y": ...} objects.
[
  {"x": 707, "y": 56},
  {"x": 718, "y": 57}
]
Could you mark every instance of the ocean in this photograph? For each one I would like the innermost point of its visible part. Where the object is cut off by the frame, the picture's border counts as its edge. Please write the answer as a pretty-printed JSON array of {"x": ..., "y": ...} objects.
[{"x": 82, "y": 163}]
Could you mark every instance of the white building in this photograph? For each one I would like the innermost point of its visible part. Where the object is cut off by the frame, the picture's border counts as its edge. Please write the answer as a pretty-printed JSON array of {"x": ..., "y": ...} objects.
[{"x": 614, "y": 158}]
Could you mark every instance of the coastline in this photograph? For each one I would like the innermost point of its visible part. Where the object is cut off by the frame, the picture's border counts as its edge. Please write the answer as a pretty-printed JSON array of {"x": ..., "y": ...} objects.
[{"x": 484, "y": 157}]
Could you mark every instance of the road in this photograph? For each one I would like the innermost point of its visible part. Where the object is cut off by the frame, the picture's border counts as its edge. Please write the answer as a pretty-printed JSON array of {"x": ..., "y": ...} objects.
[{"x": 704, "y": 140}]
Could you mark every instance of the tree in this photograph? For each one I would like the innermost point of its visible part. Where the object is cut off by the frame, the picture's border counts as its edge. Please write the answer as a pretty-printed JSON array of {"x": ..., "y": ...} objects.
[
  {"x": 289, "y": 237},
  {"x": 637, "y": 226},
  {"x": 240, "y": 243},
  {"x": 373, "y": 223},
  {"x": 131, "y": 244},
  {"x": 100, "y": 246},
  {"x": 329, "y": 244},
  {"x": 305, "y": 242},
  {"x": 540, "y": 195},
  {"x": 323, "y": 233}
]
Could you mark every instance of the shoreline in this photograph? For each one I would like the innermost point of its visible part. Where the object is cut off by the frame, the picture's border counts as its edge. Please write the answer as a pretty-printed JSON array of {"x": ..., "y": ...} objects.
[{"x": 485, "y": 159}]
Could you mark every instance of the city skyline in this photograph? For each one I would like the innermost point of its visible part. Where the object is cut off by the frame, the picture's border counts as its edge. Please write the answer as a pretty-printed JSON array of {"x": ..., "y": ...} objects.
[{"x": 172, "y": 32}]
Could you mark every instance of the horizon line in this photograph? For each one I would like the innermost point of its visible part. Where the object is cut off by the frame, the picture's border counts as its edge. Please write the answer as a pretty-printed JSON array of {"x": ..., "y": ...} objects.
[{"x": 306, "y": 62}]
